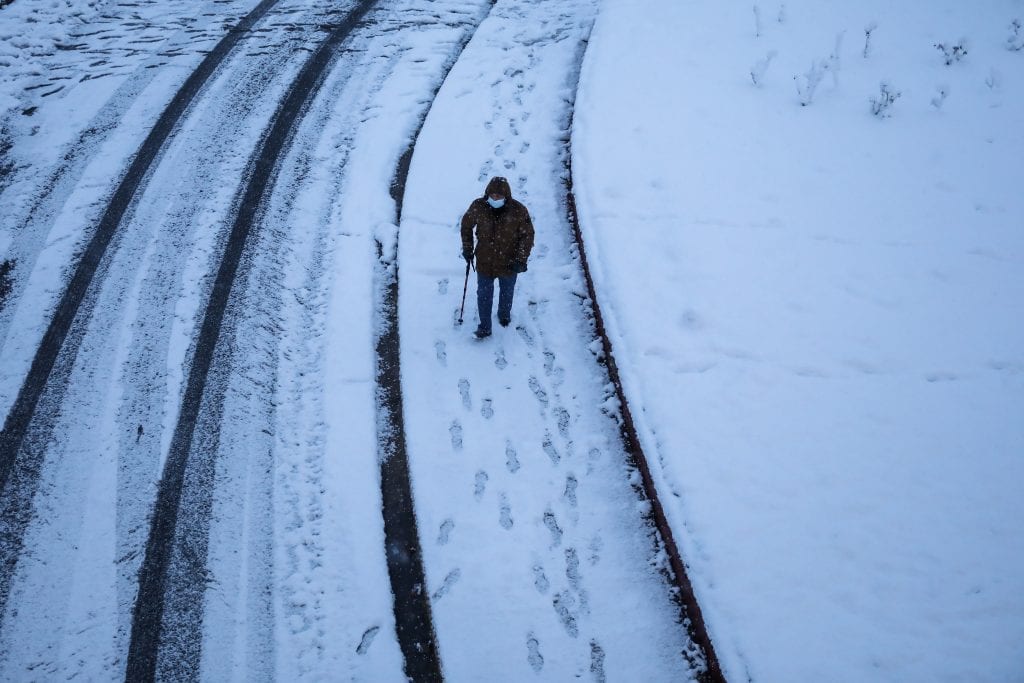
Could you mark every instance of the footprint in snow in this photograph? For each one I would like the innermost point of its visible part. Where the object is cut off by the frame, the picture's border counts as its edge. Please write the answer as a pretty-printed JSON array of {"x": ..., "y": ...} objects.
[
  {"x": 552, "y": 524},
  {"x": 533, "y": 653},
  {"x": 540, "y": 579},
  {"x": 525, "y": 334},
  {"x": 499, "y": 359},
  {"x": 445, "y": 531},
  {"x": 442, "y": 352},
  {"x": 538, "y": 391},
  {"x": 549, "y": 362},
  {"x": 557, "y": 376},
  {"x": 562, "y": 603},
  {"x": 584, "y": 601},
  {"x": 467, "y": 402},
  {"x": 596, "y": 544},
  {"x": 442, "y": 286},
  {"x": 485, "y": 170},
  {"x": 511, "y": 459},
  {"x": 456, "y": 432},
  {"x": 572, "y": 568},
  {"x": 597, "y": 662},
  {"x": 570, "y": 489},
  {"x": 481, "y": 484},
  {"x": 505, "y": 518},
  {"x": 563, "y": 421},
  {"x": 487, "y": 409},
  {"x": 549, "y": 447},
  {"x": 367, "y": 639},
  {"x": 593, "y": 456},
  {"x": 446, "y": 585}
]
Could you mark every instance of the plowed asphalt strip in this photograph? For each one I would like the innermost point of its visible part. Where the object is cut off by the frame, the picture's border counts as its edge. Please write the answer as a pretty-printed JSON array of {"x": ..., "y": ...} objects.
[
  {"x": 13, "y": 453},
  {"x": 149, "y": 605},
  {"x": 413, "y": 618}
]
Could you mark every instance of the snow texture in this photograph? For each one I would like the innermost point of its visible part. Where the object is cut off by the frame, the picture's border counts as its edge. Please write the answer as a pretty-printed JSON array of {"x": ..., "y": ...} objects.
[
  {"x": 817, "y": 314},
  {"x": 819, "y": 317}
]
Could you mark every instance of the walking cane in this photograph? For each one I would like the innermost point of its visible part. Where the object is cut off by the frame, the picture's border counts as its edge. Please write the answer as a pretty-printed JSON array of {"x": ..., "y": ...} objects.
[{"x": 465, "y": 285}]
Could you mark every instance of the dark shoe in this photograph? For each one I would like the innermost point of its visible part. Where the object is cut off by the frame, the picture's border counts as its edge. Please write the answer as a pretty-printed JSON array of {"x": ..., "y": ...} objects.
[
  {"x": 504, "y": 321},
  {"x": 481, "y": 333}
]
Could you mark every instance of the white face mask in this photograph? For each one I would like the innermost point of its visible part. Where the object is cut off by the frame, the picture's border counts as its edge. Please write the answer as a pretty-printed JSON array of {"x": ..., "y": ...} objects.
[{"x": 496, "y": 203}]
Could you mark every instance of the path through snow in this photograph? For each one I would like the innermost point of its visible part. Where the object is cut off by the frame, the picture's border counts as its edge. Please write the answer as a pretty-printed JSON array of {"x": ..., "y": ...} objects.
[{"x": 535, "y": 548}]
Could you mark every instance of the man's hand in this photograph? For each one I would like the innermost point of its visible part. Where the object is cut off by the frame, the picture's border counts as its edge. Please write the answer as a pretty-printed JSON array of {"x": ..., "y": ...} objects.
[{"x": 517, "y": 266}]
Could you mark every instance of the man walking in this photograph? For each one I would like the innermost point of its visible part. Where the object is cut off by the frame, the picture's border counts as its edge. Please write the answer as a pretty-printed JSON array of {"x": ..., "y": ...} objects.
[{"x": 504, "y": 239}]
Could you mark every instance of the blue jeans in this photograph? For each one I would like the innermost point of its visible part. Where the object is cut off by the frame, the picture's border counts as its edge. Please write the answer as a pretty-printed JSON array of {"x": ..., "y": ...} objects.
[{"x": 485, "y": 298}]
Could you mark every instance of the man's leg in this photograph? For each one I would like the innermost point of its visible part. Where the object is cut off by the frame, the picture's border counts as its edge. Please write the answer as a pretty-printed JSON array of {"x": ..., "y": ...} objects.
[
  {"x": 506, "y": 288},
  {"x": 484, "y": 301}
]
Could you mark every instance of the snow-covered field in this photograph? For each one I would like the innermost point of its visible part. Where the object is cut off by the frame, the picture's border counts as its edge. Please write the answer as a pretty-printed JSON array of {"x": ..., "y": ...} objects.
[
  {"x": 817, "y": 311},
  {"x": 819, "y": 314}
]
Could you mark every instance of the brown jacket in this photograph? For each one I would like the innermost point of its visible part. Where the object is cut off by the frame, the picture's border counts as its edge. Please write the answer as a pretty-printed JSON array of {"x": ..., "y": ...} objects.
[{"x": 502, "y": 235}]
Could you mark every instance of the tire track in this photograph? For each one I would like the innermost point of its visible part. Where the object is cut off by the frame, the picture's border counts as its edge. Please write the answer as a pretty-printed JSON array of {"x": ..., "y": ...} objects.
[
  {"x": 279, "y": 329},
  {"x": 35, "y": 198},
  {"x": 20, "y": 462},
  {"x": 150, "y": 603},
  {"x": 100, "y": 473}
]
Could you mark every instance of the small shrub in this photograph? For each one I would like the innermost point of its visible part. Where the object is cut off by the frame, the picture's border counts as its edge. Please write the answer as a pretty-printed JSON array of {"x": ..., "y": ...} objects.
[
  {"x": 758, "y": 70},
  {"x": 868, "y": 30},
  {"x": 1015, "y": 42},
  {"x": 807, "y": 84},
  {"x": 834, "y": 59},
  {"x": 952, "y": 53},
  {"x": 993, "y": 79},
  {"x": 881, "y": 106}
]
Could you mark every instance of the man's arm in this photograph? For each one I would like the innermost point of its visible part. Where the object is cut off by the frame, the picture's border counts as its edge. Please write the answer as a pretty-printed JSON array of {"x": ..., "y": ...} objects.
[
  {"x": 525, "y": 243},
  {"x": 468, "y": 223}
]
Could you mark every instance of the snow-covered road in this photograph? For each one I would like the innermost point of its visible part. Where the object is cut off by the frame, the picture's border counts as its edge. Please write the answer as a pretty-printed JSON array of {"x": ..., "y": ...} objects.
[
  {"x": 538, "y": 555},
  {"x": 111, "y": 427}
]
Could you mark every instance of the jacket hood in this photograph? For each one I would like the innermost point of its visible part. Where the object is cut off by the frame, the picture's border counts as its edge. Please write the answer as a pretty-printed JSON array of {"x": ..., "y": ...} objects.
[{"x": 498, "y": 185}]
